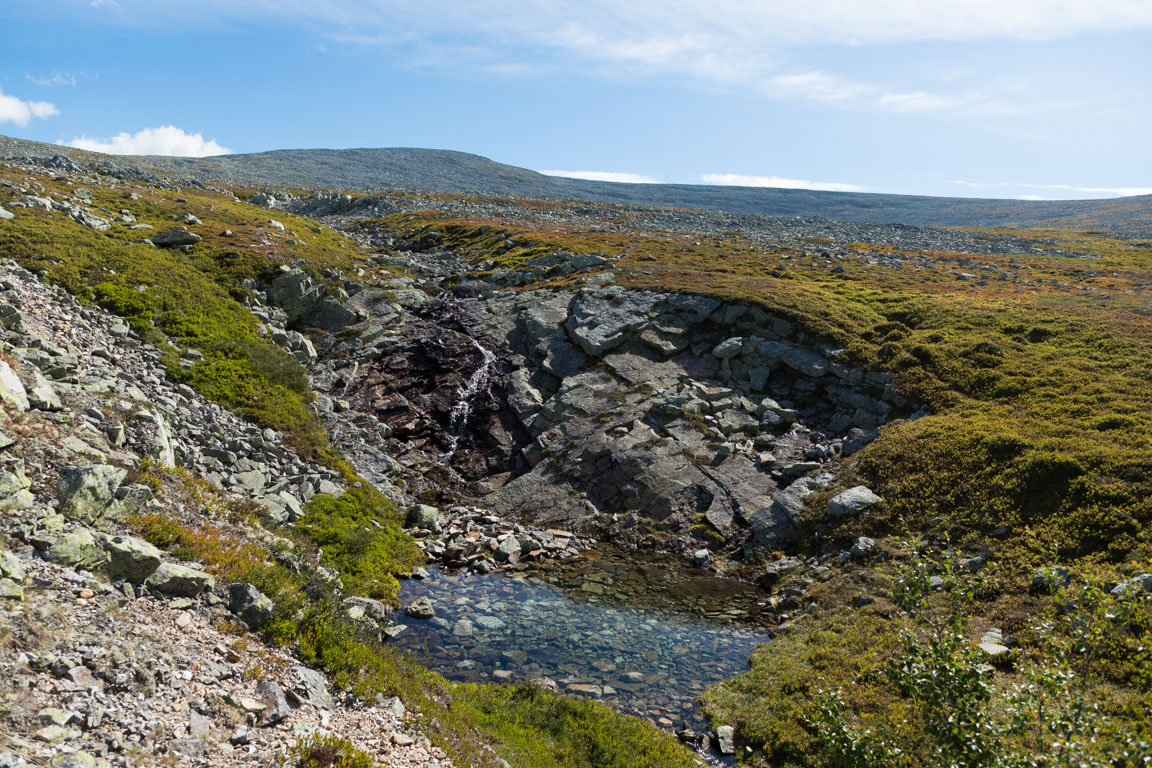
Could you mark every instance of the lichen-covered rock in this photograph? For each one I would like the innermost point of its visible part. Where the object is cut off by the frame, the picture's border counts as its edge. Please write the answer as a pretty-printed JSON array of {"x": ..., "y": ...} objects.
[
  {"x": 78, "y": 549},
  {"x": 424, "y": 517},
  {"x": 174, "y": 237},
  {"x": 131, "y": 559},
  {"x": 14, "y": 487},
  {"x": 85, "y": 492}
]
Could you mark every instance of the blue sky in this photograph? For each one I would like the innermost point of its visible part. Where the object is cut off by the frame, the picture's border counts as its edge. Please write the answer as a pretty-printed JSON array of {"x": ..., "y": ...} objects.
[{"x": 984, "y": 98}]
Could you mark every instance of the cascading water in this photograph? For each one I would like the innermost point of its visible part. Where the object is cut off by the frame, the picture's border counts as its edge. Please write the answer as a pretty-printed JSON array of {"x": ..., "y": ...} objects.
[{"x": 458, "y": 418}]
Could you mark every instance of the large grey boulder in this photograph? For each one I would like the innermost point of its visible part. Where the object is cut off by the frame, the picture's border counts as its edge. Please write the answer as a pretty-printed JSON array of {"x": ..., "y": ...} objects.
[
  {"x": 10, "y": 566},
  {"x": 313, "y": 687},
  {"x": 175, "y": 237},
  {"x": 726, "y": 740},
  {"x": 275, "y": 705},
  {"x": 179, "y": 580},
  {"x": 85, "y": 492},
  {"x": 6, "y": 215},
  {"x": 250, "y": 604},
  {"x": 1134, "y": 585},
  {"x": 421, "y": 608},
  {"x": 852, "y": 502},
  {"x": 131, "y": 559},
  {"x": 307, "y": 302}
]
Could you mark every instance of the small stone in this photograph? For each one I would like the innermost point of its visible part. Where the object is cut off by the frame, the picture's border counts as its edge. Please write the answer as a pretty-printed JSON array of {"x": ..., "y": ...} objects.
[
  {"x": 862, "y": 547},
  {"x": 421, "y": 608},
  {"x": 726, "y": 740},
  {"x": 402, "y": 739},
  {"x": 239, "y": 736},
  {"x": 852, "y": 502},
  {"x": 276, "y": 706}
]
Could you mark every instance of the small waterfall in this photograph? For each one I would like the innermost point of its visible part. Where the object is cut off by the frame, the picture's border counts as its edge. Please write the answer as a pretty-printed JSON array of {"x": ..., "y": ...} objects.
[{"x": 458, "y": 419}]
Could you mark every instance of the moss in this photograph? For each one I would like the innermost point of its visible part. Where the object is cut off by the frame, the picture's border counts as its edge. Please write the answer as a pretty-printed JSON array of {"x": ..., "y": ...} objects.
[{"x": 359, "y": 533}]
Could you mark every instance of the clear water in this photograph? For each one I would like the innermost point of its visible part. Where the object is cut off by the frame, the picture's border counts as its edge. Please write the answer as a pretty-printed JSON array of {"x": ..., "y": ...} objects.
[{"x": 581, "y": 627}]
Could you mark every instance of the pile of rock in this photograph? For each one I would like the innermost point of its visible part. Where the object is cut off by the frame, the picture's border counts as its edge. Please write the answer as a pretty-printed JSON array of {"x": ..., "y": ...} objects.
[{"x": 466, "y": 537}]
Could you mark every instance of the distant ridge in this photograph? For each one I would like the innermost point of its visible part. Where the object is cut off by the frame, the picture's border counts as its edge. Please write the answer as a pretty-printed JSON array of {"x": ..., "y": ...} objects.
[{"x": 446, "y": 171}]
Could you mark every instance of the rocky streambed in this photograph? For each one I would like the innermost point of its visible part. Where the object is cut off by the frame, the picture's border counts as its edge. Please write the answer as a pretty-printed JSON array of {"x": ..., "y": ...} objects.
[{"x": 615, "y": 625}]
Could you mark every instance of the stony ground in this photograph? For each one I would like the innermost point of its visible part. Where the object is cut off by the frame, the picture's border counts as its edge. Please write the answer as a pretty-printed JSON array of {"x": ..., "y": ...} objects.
[{"x": 145, "y": 663}]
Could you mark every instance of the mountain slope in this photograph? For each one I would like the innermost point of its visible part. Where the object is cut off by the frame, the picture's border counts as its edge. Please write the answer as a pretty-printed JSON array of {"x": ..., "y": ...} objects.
[{"x": 444, "y": 171}]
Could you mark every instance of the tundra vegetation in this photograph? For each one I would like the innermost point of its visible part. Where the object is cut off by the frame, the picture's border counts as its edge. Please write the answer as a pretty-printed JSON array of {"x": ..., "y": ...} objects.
[{"x": 1036, "y": 372}]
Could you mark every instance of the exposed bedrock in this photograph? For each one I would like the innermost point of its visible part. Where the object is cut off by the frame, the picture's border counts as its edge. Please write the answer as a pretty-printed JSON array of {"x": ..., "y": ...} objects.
[{"x": 647, "y": 416}]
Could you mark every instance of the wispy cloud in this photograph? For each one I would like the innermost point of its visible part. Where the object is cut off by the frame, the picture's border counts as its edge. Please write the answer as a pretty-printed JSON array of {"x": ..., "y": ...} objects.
[
  {"x": 165, "y": 140},
  {"x": 1058, "y": 190},
  {"x": 617, "y": 176},
  {"x": 740, "y": 180},
  {"x": 20, "y": 112},
  {"x": 720, "y": 43},
  {"x": 70, "y": 79}
]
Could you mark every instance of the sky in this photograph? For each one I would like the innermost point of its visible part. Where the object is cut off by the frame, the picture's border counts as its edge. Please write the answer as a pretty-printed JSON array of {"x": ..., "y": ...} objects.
[{"x": 1030, "y": 99}]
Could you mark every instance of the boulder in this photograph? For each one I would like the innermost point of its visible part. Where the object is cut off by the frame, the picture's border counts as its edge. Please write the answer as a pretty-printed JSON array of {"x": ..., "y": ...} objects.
[
  {"x": 275, "y": 704},
  {"x": 729, "y": 348},
  {"x": 508, "y": 550},
  {"x": 726, "y": 740},
  {"x": 250, "y": 604},
  {"x": 424, "y": 517},
  {"x": 1134, "y": 585},
  {"x": 41, "y": 395},
  {"x": 78, "y": 549},
  {"x": 85, "y": 492},
  {"x": 14, "y": 487},
  {"x": 776, "y": 525},
  {"x": 313, "y": 687},
  {"x": 131, "y": 559},
  {"x": 10, "y": 566},
  {"x": 179, "y": 580},
  {"x": 852, "y": 502},
  {"x": 12, "y": 389},
  {"x": 862, "y": 547},
  {"x": 176, "y": 237}
]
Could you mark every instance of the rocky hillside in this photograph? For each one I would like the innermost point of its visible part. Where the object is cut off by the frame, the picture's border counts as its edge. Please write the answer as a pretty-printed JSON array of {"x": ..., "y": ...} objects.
[
  {"x": 459, "y": 173},
  {"x": 906, "y": 454}
]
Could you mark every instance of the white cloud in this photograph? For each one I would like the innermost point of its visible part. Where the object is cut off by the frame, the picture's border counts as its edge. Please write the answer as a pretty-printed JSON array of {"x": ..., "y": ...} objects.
[
  {"x": 624, "y": 178},
  {"x": 1060, "y": 190},
  {"x": 60, "y": 78},
  {"x": 740, "y": 180},
  {"x": 165, "y": 140},
  {"x": 14, "y": 110}
]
